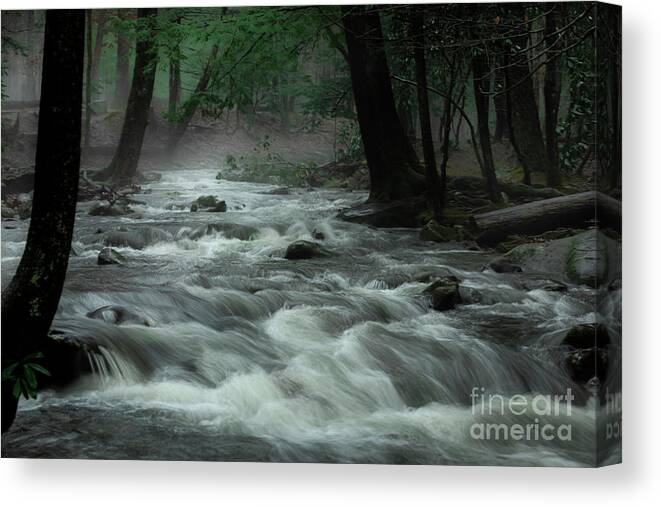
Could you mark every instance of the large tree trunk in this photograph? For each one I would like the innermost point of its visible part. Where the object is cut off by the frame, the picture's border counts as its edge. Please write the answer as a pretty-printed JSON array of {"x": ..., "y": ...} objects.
[
  {"x": 124, "y": 166},
  {"x": 434, "y": 197},
  {"x": 552, "y": 90},
  {"x": 390, "y": 156},
  {"x": 88, "y": 78},
  {"x": 122, "y": 66},
  {"x": 190, "y": 106},
  {"x": 575, "y": 210},
  {"x": 30, "y": 301},
  {"x": 522, "y": 108},
  {"x": 481, "y": 89}
]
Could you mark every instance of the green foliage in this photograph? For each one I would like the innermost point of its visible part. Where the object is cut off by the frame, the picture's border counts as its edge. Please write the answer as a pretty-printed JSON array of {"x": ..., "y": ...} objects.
[
  {"x": 349, "y": 143},
  {"x": 24, "y": 375},
  {"x": 265, "y": 166}
]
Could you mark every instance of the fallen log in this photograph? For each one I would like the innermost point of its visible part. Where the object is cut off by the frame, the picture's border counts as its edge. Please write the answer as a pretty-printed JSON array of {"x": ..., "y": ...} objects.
[{"x": 587, "y": 209}]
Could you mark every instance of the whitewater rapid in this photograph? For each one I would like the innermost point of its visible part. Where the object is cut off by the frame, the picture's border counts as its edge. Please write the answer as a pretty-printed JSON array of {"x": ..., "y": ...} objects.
[{"x": 231, "y": 352}]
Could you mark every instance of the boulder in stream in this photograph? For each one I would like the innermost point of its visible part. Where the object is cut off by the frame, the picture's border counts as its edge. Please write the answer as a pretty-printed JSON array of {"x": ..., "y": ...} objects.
[
  {"x": 118, "y": 315},
  {"x": 302, "y": 249},
  {"x": 238, "y": 231},
  {"x": 107, "y": 210},
  {"x": 587, "y": 356},
  {"x": 109, "y": 255},
  {"x": 208, "y": 203},
  {"x": 137, "y": 239},
  {"x": 444, "y": 293},
  {"x": 588, "y": 258}
]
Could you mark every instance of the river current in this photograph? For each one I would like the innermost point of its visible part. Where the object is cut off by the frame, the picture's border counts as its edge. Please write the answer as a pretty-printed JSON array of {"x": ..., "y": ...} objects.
[{"x": 227, "y": 351}]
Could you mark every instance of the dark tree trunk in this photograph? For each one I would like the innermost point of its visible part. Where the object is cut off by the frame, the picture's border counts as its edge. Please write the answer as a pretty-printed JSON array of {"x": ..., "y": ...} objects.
[
  {"x": 174, "y": 79},
  {"x": 124, "y": 166},
  {"x": 88, "y": 78},
  {"x": 174, "y": 88},
  {"x": 390, "y": 157},
  {"x": 30, "y": 301},
  {"x": 98, "y": 49},
  {"x": 122, "y": 67},
  {"x": 500, "y": 105},
  {"x": 481, "y": 88},
  {"x": 190, "y": 106},
  {"x": 522, "y": 108},
  {"x": 434, "y": 197},
  {"x": 552, "y": 89}
]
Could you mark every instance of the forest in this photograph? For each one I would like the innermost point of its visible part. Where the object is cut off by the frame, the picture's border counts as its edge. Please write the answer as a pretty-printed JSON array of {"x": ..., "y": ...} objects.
[{"x": 309, "y": 233}]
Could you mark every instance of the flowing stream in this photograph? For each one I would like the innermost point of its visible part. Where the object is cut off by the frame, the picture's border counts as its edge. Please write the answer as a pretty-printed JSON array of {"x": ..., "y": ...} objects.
[{"x": 214, "y": 347}]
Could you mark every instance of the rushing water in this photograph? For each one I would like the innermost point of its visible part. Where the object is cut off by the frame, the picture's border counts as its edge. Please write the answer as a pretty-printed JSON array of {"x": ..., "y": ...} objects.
[{"x": 227, "y": 351}]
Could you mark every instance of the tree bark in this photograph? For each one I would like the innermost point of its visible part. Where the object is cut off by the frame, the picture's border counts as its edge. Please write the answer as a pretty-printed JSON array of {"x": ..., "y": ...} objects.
[
  {"x": 522, "y": 108},
  {"x": 190, "y": 106},
  {"x": 434, "y": 196},
  {"x": 174, "y": 88},
  {"x": 575, "y": 210},
  {"x": 500, "y": 105},
  {"x": 30, "y": 300},
  {"x": 122, "y": 67},
  {"x": 391, "y": 160},
  {"x": 481, "y": 89},
  {"x": 124, "y": 166},
  {"x": 552, "y": 90},
  {"x": 88, "y": 78}
]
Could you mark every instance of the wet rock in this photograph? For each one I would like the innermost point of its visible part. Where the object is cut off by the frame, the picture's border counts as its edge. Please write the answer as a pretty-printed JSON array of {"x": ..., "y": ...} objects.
[
  {"x": 615, "y": 284},
  {"x": 503, "y": 265},
  {"x": 544, "y": 284},
  {"x": 8, "y": 212},
  {"x": 118, "y": 315},
  {"x": 278, "y": 191},
  {"x": 208, "y": 203},
  {"x": 238, "y": 231},
  {"x": 444, "y": 293},
  {"x": 136, "y": 239},
  {"x": 66, "y": 359},
  {"x": 588, "y": 352},
  {"x": 305, "y": 250},
  {"x": 107, "y": 210},
  {"x": 588, "y": 258},
  {"x": 17, "y": 206},
  {"x": 433, "y": 231},
  {"x": 109, "y": 255},
  {"x": 318, "y": 235}
]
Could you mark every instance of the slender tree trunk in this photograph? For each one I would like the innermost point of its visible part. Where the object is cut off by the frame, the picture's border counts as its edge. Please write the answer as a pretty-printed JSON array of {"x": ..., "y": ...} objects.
[
  {"x": 190, "y": 106},
  {"x": 174, "y": 89},
  {"x": 500, "y": 105},
  {"x": 124, "y": 166},
  {"x": 122, "y": 67},
  {"x": 552, "y": 90},
  {"x": 510, "y": 128},
  {"x": 434, "y": 197},
  {"x": 390, "y": 156},
  {"x": 174, "y": 80},
  {"x": 30, "y": 301},
  {"x": 481, "y": 89}
]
